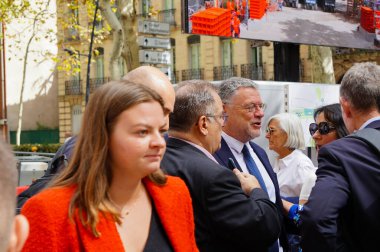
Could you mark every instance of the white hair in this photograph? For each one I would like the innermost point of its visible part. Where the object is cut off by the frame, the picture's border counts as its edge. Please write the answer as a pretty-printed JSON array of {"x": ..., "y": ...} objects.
[{"x": 292, "y": 126}]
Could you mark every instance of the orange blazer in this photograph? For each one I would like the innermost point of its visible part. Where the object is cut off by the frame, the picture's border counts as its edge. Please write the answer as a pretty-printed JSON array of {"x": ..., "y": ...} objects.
[{"x": 52, "y": 230}]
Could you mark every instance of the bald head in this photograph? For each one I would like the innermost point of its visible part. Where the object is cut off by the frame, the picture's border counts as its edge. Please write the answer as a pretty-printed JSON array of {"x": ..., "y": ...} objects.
[{"x": 158, "y": 81}]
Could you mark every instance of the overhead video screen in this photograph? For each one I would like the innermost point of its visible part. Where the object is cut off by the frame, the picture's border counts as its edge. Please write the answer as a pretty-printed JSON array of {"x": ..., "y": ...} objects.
[{"x": 338, "y": 23}]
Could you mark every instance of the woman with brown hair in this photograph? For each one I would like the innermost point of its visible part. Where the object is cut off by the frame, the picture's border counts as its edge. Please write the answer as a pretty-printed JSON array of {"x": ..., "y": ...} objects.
[{"x": 113, "y": 195}]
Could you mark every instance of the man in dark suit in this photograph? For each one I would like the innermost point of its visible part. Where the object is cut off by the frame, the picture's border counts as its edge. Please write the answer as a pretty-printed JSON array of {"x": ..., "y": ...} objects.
[
  {"x": 231, "y": 212},
  {"x": 245, "y": 109},
  {"x": 343, "y": 210}
]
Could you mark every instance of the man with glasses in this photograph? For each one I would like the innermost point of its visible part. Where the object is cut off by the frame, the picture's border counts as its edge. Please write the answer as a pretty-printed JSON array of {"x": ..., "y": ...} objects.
[
  {"x": 231, "y": 212},
  {"x": 245, "y": 109},
  {"x": 342, "y": 213}
]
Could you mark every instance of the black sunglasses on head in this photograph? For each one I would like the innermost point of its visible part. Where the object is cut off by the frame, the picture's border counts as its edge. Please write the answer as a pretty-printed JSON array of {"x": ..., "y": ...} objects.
[{"x": 323, "y": 127}]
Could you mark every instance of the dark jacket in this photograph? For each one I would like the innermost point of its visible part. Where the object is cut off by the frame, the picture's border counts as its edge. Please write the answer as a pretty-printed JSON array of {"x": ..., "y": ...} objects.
[
  {"x": 225, "y": 218},
  {"x": 343, "y": 210},
  {"x": 222, "y": 156}
]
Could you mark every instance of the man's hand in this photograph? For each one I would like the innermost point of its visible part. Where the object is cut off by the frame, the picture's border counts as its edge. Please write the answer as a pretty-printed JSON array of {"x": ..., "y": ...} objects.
[{"x": 248, "y": 182}]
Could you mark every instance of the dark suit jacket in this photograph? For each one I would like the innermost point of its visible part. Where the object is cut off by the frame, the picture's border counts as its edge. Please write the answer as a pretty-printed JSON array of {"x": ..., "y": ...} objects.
[
  {"x": 225, "y": 218},
  {"x": 343, "y": 211},
  {"x": 225, "y": 152}
]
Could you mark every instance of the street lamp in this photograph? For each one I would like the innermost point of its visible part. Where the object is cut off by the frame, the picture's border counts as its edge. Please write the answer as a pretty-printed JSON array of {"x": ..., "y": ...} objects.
[{"x": 71, "y": 52}]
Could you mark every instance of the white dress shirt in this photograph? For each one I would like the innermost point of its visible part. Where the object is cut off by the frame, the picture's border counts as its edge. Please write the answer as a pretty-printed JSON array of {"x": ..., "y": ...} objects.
[
  {"x": 236, "y": 148},
  {"x": 292, "y": 172}
]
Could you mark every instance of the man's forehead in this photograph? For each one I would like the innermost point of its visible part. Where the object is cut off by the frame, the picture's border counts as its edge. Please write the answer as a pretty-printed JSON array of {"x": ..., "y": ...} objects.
[{"x": 247, "y": 93}]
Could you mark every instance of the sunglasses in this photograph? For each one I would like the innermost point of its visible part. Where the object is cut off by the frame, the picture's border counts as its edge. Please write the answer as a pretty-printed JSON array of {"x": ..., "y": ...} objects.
[{"x": 323, "y": 127}]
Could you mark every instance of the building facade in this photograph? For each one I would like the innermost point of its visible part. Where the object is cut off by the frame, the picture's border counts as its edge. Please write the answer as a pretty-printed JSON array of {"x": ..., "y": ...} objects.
[{"x": 192, "y": 56}]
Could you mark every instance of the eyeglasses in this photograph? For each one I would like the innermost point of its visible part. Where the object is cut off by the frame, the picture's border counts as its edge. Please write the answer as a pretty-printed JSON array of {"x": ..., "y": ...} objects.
[
  {"x": 252, "y": 107},
  {"x": 323, "y": 127},
  {"x": 270, "y": 131},
  {"x": 220, "y": 117}
]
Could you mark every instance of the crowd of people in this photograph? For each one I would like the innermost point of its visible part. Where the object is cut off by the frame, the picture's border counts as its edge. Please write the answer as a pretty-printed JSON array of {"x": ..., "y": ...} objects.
[{"x": 161, "y": 169}]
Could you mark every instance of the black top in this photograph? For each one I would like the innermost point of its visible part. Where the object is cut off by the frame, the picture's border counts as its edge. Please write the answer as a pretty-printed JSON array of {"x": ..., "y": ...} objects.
[{"x": 157, "y": 239}]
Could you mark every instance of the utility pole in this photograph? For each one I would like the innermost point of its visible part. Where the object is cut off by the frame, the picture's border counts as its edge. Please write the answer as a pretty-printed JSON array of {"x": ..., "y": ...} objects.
[{"x": 3, "y": 100}]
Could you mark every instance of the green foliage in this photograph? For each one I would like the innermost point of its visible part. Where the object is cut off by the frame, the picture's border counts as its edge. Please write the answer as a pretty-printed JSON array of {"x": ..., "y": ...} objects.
[
  {"x": 34, "y": 24},
  {"x": 10, "y": 9},
  {"x": 45, "y": 148},
  {"x": 80, "y": 32}
]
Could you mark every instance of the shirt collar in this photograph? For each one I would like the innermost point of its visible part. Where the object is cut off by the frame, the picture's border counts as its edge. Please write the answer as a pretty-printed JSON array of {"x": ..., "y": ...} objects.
[
  {"x": 288, "y": 159},
  {"x": 203, "y": 150},
  {"x": 233, "y": 143},
  {"x": 369, "y": 121}
]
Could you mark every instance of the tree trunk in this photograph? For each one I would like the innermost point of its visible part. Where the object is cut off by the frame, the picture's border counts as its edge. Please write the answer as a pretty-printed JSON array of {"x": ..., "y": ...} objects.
[
  {"x": 21, "y": 103},
  {"x": 117, "y": 42},
  {"x": 323, "y": 68},
  {"x": 129, "y": 23},
  {"x": 25, "y": 64}
]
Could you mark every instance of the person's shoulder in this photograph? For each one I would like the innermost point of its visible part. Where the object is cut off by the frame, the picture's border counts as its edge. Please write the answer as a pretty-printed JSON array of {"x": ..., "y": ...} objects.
[
  {"x": 344, "y": 144},
  {"x": 175, "y": 182},
  {"x": 174, "y": 190},
  {"x": 55, "y": 196},
  {"x": 57, "y": 192},
  {"x": 50, "y": 204},
  {"x": 303, "y": 158}
]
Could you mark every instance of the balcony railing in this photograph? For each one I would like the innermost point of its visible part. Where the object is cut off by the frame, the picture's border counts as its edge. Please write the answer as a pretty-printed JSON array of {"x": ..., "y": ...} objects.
[
  {"x": 193, "y": 74},
  {"x": 167, "y": 16},
  {"x": 225, "y": 72},
  {"x": 301, "y": 70},
  {"x": 73, "y": 87},
  {"x": 97, "y": 82},
  {"x": 252, "y": 71}
]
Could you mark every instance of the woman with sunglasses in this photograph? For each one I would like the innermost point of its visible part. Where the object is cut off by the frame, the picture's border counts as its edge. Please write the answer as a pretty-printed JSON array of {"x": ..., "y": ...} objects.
[{"x": 329, "y": 126}]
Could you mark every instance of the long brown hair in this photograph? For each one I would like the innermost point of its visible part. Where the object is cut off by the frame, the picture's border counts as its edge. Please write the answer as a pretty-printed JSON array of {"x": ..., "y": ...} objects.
[{"x": 89, "y": 167}]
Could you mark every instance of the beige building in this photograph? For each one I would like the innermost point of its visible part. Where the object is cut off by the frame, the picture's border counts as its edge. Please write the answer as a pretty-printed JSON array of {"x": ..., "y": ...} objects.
[{"x": 193, "y": 57}]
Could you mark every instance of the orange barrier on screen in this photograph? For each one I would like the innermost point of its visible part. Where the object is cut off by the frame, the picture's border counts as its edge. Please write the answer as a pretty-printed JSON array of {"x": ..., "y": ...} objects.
[
  {"x": 257, "y": 8},
  {"x": 212, "y": 21}
]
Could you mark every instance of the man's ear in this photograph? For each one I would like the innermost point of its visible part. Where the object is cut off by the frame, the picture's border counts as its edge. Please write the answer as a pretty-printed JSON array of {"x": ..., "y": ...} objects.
[
  {"x": 20, "y": 232},
  {"x": 203, "y": 125},
  {"x": 346, "y": 108}
]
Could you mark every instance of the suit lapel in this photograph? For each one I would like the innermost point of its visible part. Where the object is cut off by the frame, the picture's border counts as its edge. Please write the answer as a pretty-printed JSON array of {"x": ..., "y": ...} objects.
[
  {"x": 224, "y": 153},
  {"x": 265, "y": 161},
  {"x": 109, "y": 239}
]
